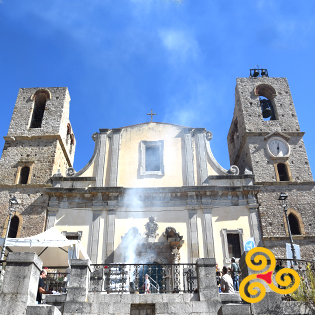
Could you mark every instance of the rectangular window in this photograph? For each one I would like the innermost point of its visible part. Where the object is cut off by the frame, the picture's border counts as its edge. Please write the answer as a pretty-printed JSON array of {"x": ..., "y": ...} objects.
[
  {"x": 234, "y": 245},
  {"x": 151, "y": 157}
]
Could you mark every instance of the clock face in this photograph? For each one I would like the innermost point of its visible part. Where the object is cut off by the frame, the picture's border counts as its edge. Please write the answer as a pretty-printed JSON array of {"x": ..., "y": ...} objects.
[{"x": 278, "y": 148}]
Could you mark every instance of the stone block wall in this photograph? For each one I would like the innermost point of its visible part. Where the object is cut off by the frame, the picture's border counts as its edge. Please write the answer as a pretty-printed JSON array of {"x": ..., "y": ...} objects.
[
  {"x": 31, "y": 209},
  {"x": 263, "y": 166},
  {"x": 286, "y": 121},
  {"x": 301, "y": 198},
  {"x": 53, "y": 116},
  {"x": 39, "y": 154}
]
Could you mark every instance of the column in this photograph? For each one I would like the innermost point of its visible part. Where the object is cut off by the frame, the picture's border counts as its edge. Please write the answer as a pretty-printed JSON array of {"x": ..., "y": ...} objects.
[
  {"x": 254, "y": 223},
  {"x": 95, "y": 235},
  {"x": 101, "y": 157},
  {"x": 209, "y": 242},
  {"x": 110, "y": 233},
  {"x": 115, "y": 145},
  {"x": 201, "y": 154},
  {"x": 193, "y": 236},
  {"x": 189, "y": 157}
]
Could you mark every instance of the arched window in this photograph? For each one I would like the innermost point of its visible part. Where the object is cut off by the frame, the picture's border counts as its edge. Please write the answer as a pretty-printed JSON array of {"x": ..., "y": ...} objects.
[
  {"x": 25, "y": 171},
  {"x": 282, "y": 171},
  {"x": 266, "y": 95},
  {"x": 40, "y": 98},
  {"x": 294, "y": 224},
  {"x": 14, "y": 226}
]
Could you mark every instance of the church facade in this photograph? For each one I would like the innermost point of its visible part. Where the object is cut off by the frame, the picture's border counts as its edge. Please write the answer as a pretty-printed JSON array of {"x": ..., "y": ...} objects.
[{"x": 154, "y": 192}]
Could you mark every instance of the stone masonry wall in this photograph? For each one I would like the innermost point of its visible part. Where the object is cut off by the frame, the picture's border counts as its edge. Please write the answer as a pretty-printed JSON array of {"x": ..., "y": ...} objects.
[
  {"x": 263, "y": 165},
  {"x": 249, "y": 102},
  {"x": 60, "y": 162},
  {"x": 32, "y": 208},
  {"x": 39, "y": 152},
  {"x": 301, "y": 198},
  {"x": 52, "y": 118}
]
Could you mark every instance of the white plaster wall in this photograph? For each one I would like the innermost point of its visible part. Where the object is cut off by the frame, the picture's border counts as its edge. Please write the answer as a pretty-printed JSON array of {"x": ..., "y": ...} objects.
[
  {"x": 230, "y": 218},
  {"x": 72, "y": 220},
  {"x": 129, "y": 155}
]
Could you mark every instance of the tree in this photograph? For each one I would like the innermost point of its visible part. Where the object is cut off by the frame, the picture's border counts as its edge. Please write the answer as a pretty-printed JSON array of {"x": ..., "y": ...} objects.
[{"x": 306, "y": 291}]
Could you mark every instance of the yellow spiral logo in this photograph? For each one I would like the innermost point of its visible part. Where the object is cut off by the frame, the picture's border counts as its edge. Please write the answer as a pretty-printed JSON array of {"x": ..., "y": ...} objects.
[{"x": 285, "y": 277}]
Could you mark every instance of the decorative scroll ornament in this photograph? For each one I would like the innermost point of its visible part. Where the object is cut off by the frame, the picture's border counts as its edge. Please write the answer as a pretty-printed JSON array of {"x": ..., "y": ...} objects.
[
  {"x": 152, "y": 228},
  {"x": 234, "y": 170},
  {"x": 291, "y": 279},
  {"x": 70, "y": 172},
  {"x": 209, "y": 135}
]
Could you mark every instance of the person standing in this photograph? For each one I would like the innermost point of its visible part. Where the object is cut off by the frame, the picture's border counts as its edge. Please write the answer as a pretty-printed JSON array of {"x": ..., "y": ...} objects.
[
  {"x": 234, "y": 274},
  {"x": 226, "y": 282},
  {"x": 41, "y": 290},
  {"x": 146, "y": 285}
]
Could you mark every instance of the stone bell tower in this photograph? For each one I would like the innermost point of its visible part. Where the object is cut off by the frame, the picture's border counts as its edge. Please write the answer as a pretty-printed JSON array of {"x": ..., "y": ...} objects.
[
  {"x": 265, "y": 139},
  {"x": 271, "y": 147},
  {"x": 39, "y": 143},
  {"x": 40, "y": 137}
]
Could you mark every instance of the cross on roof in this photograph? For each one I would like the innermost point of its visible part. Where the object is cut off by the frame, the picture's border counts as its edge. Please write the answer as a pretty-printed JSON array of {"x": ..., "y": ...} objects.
[{"x": 151, "y": 114}]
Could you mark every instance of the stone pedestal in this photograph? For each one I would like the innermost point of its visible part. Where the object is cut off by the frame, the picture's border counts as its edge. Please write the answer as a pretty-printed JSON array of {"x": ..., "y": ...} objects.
[
  {"x": 272, "y": 302},
  {"x": 78, "y": 289},
  {"x": 207, "y": 283},
  {"x": 20, "y": 283}
]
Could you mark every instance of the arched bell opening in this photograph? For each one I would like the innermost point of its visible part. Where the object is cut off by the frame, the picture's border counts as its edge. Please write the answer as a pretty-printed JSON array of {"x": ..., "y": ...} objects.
[
  {"x": 282, "y": 172},
  {"x": 40, "y": 98},
  {"x": 294, "y": 224},
  {"x": 14, "y": 226},
  {"x": 24, "y": 174},
  {"x": 266, "y": 95}
]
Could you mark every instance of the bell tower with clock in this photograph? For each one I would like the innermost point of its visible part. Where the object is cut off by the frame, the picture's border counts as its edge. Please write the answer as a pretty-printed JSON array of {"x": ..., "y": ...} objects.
[
  {"x": 265, "y": 139},
  {"x": 265, "y": 136}
]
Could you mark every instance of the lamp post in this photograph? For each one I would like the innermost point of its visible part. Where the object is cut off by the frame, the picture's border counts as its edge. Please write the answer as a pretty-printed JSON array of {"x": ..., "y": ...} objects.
[
  {"x": 282, "y": 199},
  {"x": 12, "y": 203}
]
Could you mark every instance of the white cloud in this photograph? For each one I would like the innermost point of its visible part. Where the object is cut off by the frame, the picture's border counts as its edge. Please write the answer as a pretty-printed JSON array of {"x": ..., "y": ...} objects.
[{"x": 180, "y": 45}]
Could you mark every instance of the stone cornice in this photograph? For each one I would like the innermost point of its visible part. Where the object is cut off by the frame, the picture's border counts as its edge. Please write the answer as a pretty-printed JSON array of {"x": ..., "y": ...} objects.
[
  {"x": 25, "y": 186},
  {"x": 286, "y": 238},
  {"x": 306, "y": 183},
  {"x": 183, "y": 189}
]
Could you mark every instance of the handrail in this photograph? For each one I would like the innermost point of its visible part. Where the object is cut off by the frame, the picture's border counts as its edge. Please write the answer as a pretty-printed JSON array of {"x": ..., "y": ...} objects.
[{"x": 157, "y": 287}]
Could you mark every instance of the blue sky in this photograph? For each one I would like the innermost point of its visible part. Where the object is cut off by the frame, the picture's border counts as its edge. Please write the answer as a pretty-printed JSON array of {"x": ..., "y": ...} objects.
[{"x": 121, "y": 58}]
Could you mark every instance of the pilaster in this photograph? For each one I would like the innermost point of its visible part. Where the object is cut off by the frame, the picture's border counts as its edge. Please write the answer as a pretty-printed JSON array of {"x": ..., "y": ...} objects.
[
  {"x": 193, "y": 235},
  {"x": 110, "y": 234},
  {"x": 200, "y": 137},
  {"x": 189, "y": 157},
  {"x": 115, "y": 146},
  {"x": 208, "y": 233},
  {"x": 101, "y": 157}
]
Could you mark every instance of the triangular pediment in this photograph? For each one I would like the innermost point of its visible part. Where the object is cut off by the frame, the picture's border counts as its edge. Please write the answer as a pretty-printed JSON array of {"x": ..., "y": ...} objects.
[{"x": 277, "y": 134}]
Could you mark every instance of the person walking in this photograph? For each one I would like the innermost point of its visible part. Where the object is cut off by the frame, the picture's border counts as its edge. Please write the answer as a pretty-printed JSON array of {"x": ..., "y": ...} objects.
[{"x": 234, "y": 274}]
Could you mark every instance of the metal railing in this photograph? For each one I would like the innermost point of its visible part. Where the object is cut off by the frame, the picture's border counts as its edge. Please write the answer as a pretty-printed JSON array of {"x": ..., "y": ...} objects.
[
  {"x": 57, "y": 281},
  {"x": 130, "y": 278},
  {"x": 299, "y": 265}
]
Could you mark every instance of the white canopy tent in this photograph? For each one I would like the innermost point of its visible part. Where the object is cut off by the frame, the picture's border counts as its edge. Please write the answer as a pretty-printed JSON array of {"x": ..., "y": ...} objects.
[{"x": 52, "y": 247}]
